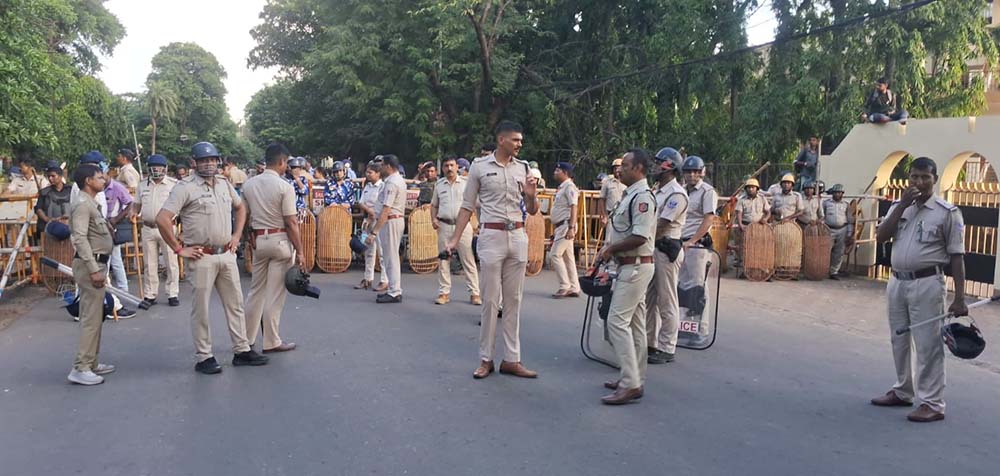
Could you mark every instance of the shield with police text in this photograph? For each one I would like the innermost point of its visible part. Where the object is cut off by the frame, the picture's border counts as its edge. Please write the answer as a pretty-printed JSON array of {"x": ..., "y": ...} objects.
[{"x": 698, "y": 296}]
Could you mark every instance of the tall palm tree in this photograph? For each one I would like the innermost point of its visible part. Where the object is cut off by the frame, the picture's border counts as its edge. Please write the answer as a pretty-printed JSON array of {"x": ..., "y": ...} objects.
[{"x": 163, "y": 104}]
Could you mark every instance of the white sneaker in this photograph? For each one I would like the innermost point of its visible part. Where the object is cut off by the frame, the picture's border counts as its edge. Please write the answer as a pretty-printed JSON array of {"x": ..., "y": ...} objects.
[
  {"x": 104, "y": 369},
  {"x": 84, "y": 378}
]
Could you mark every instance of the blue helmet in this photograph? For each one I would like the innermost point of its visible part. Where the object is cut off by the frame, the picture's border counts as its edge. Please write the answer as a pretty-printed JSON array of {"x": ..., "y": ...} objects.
[
  {"x": 92, "y": 157},
  {"x": 58, "y": 230},
  {"x": 693, "y": 163},
  {"x": 204, "y": 150},
  {"x": 156, "y": 159},
  {"x": 338, "y": 166},
  {"x": 670, "y": 159}
]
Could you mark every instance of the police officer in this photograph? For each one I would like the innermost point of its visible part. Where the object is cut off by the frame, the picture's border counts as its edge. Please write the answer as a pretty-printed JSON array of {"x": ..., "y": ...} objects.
[
  {"x": 339, "y": 191},
  {"x": 927, "y": 235},
  {"x": 127, "y": 174},
  {"x": 611, "y": 191},
  {"x": 499, "y": 185},
  {"x": 367, "y": 204},
  {"x": 563, "y": 216},
  {"x": 152, "y": 193},
  {"x": 388, "y": 229},
  {"x": 91, "y": 237},
  {"x": 841, "y": 224},
  {"x": 752, "y": 208},
  {"x": 786, "y": 205},
  {"x": 276, "y": 240},
  {"x": 702, "y": 199},
  {"x": 295, "y": 175},
  {"x": 205, "y": 205},
  {"x": 812, "y": 208},
  {"x": 445, "y": 206},
  {"x": 662, "y": 308},
  {"x": 630, "y": 243}
]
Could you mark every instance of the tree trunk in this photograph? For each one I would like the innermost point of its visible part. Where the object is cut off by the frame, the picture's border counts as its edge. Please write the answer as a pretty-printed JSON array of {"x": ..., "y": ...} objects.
[{"x": 152, "y": 145}]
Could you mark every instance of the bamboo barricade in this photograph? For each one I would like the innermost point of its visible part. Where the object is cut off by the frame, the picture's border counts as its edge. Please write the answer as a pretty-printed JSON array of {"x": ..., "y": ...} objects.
[
  {"x": 248, "y": 255},
  {"x": 15, "y": 243},
  {"x": 56, "y": 250},
  {"x": 787, "y": 251},
  {"x": 422, "y": 242},
  {"x": 307, "y": 231},
  {"x": 333, "y": 242},
  {"x": 535, "y": 228},
  {"x": 816, "y": 246},
  {"x": 720, "y": 239},
  {"x": 758, "y": 252}
]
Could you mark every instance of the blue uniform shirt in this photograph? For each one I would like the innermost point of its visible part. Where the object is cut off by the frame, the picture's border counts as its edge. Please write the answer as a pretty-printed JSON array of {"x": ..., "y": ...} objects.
[
  {"x": 342, "y": 194},
  {"x": 301, "y": 191}
]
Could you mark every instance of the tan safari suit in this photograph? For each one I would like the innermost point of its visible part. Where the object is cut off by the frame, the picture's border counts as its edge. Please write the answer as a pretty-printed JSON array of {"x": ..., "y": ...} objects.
[
  {"x": 393, "y": 195},
  {"x": 269, "y": 199},
  {"x": 927, "y": 236},
  {"x": 369, "y": 197},
  {"x": 813, "y": 210},
  {"x": 785, "y": 205},
  {"x": 496, "y": 190},
  {"x": 627, "y": 315},
  {"x": 206, "y": 212},
  {"x": 562, "y": 257},
  {"x": 663, "y": 316},
  {"x": 90, "y": 235},
  {"x": 448, "y": 201},
  {"x": 151, "y": 197},
  {"x": 129, "y": 176},
  {"x": 611, "y": 191},
  {"x": 753, "y": 210}
]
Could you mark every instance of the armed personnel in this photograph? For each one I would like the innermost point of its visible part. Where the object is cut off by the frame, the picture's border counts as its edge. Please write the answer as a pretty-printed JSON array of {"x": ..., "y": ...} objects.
[
  {"x": 611, "y": 191},
  {"x": 445, "y": 207},
  {"x": 703, "y": 200},
  {"x": 564, "y": 219},
  {"x": 390, "y": 209},
  {"x": 752, "y": 208},
  {"x": 841, "y": 224},
  {"x": 812, "y": 206},
  {"x": 663, "y": 312},
  {"x": 152, "y": 194},
  {"x": 786, "y": 205}
]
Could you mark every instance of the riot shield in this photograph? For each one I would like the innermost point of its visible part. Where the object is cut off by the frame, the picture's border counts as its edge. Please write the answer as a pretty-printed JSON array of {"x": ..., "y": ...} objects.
[
  {"x": 594, "y": 340},
  {"x": 698, "y": 296}
]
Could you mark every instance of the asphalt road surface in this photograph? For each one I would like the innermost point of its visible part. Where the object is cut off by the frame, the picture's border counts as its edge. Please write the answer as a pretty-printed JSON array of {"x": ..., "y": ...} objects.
[{"x": 388, "y": 389}]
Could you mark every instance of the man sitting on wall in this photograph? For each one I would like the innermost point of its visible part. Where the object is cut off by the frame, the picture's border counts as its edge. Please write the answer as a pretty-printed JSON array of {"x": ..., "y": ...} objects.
[{"x": 881, "y": 105}]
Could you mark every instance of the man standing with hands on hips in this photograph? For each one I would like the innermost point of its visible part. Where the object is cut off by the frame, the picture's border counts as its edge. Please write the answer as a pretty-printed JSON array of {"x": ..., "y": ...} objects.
[
  {"x": 927, "y": 234},
  {"x": 390, "y": 209},
  {"x": 499, "y": 184},
  {"x": 445, "y": 206},
  {"x": 631, "y": 229},
  {"x": 205, "y": 205},
  {"x": 275, "y": 240}
]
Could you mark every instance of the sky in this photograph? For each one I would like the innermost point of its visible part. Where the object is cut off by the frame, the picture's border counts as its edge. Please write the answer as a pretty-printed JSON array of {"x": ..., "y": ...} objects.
[{"x": 223, "y": 28}]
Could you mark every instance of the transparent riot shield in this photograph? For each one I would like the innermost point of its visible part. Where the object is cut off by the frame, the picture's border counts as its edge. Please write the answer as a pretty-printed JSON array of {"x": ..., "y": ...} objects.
[
  {"x": 698, "y": 296},
  {"x": 594, "y": 340}
]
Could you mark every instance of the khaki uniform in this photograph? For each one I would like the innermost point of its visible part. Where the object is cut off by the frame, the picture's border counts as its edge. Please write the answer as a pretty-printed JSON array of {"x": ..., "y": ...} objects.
[
  {"x": 703, "y": 200},
  {"x": 784, "y": 205},
  {"x": 369, "y": 197},
  {"x": 841, "y": 226},
  {"x": 611, "y": 191},
  {"x": 927, "y": 236},
  {"x": 270, "y": 199},
  {"x": 206, "y": 215},
  {"x": 812, "y": 210},
  {"x": 393, "y": 195},
  {"x": 448, "y": 201},
  {"x": 663, "y": 314},
  {"x": 26, "y": 186},
  {"x": 627, "y": 315},
  {"x": 129, "y": 177},
  {"x": 152, "y": 196},
  {"x": 495, "y": 190},
  {"x": 562, "y": 256},
  {"x": 753, "y": 211},
  {"x": 90, "y": 236},
  {"x": 237, "y": 176}
]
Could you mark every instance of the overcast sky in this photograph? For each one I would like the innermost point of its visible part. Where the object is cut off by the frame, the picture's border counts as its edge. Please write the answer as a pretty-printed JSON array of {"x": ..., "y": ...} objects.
[{"x": 223, "y": 28}]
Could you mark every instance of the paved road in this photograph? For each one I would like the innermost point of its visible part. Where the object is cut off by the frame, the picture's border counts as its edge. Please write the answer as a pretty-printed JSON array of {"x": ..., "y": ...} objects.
[{"x": 388, "y": 390}]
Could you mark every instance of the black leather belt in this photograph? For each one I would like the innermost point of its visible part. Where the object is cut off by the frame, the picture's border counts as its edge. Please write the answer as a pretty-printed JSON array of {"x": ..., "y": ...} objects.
[
  {"x": 446, "y": 221},
  {"x": 835, "y": 227},
  {"x": 920, "y": 273},
  {"x": 557, "y": 225},
  {"x": 100, "y": 258},
  {"x": 210, "y": 250}
]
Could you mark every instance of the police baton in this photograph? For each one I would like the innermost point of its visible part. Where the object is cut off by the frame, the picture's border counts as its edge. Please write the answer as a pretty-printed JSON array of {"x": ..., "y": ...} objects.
[
  {"x": 904, "y": 330},
  {"x": 124, "y": 296}
]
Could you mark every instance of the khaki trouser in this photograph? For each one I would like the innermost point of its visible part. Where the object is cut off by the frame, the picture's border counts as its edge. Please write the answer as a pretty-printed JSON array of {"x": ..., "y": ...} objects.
[
  {"x": 627, "y": 322},
  {"x": 911, "y": 302},
  {"x": 837, "y": 252},
  {"x": 371, "y": 253},
  {"x": 91, "y": 317},
  {"x": 445, "y": 232},
  {"x": 152, "y": 246},
  {"x": 272, "y": 257},
  {"x": 389, "y": 238},
  {"x": 663, "y": 316},
  {"x": 563, "y": 261},
  {"x": 692, "y": 274},
  {"x": 503, "y": 256},
  {"x": 217, "y": 272}
]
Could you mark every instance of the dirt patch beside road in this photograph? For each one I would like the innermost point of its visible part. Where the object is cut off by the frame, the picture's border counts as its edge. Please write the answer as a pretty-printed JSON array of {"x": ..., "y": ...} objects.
[{"x": 18, "y": 302}]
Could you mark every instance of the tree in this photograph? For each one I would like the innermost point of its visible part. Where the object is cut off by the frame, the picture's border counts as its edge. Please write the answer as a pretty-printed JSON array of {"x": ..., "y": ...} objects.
[
  {"x": 163, "y": 104},
  {"x": 195, "y": 77}
]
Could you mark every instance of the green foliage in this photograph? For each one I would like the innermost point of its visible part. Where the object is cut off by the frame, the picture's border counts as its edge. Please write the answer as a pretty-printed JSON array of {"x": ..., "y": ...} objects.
[{"x": 194, "y": 76}]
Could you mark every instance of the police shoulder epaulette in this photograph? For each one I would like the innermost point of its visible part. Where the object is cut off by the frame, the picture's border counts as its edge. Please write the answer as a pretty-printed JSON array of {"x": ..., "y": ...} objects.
[
  {"x": 520, "y": 161},
  {"x": 944, "y": 203},
  {"x": 480, "y": 159},
  {"x": 443, "y": 179},
  {"x": 223, "y": 177}
]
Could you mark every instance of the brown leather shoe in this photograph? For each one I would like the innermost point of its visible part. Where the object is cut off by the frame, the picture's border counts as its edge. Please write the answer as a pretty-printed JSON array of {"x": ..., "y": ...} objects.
[
  {"x": 612, "y": 384},
  {"x": 623, "y": 396},
  {"x": 284, "y": 347},
  {"x": 476, "y": 300},
  {"x": 925, "y": 414},
  {"x": 381, "y": 288},
  {"x": 573, "y": 294},
  {"x": 516, "y": 369},
  {"x": 364, "y": 284},
  {"x": 442, "y": 299},
  {"x": 890, "y": 399},
  {"x": 560, "y": 295},
  {"x": 484, "y": 370}
]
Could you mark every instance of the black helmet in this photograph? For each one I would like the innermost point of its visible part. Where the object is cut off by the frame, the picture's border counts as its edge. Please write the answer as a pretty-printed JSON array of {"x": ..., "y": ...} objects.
[
  {"x": 297, "y": 162},
  {"x": 204, "y": 150},
  {"x": 593, "y": 284},
  {"x": 73, "y": 308},
  {"x": 693, "y": 163},
  {"x": 358, "y": 245},
  {"x": 297, "y": 283},
  {"x": 669, "y": 155},
  {"x": 964, "y": 341}
]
